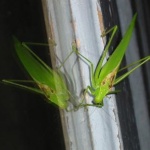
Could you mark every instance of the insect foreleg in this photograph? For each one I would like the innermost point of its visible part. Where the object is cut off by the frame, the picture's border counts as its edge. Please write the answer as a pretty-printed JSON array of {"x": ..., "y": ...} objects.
[
  {"x": 89, "y": 90},
  {"x": 89, "y": 63}
]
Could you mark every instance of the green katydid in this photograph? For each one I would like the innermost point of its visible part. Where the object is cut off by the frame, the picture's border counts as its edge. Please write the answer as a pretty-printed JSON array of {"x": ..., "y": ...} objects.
[
  {"x": 49, "y": 83},
  {"x": 104, "y": 76}
]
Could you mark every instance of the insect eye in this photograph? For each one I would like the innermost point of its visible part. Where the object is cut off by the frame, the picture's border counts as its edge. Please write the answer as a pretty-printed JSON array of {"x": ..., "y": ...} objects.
[{"x": 99, "y": 105}]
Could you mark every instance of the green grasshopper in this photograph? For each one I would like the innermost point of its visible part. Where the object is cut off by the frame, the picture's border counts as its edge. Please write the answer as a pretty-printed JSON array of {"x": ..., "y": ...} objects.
[
  {"x": 104, "y": 76},
  {"x": 50, "y": 83}
]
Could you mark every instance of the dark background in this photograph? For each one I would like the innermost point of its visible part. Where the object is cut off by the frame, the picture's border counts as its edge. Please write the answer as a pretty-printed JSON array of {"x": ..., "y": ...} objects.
[
  {"x": 27, "y": 122},
  {"x": 124, "y": 99}
]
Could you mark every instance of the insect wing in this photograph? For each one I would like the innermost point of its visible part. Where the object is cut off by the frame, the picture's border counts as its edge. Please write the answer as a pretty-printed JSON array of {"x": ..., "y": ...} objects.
[
  {"x": 49, "y": 81},
  {"x": 115, "y": 59}
]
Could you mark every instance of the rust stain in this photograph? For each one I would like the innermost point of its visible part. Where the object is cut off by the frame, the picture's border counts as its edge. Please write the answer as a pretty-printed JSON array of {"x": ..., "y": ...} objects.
[
  {"x": 78, "y": 43},
  {"x": 74, "y": 26},
  {"x": 100, "y": 16}
]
